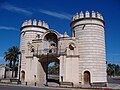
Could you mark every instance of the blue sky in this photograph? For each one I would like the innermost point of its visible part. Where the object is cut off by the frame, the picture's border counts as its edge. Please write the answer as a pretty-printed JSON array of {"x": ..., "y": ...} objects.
[{"x": 58, "y": 13}]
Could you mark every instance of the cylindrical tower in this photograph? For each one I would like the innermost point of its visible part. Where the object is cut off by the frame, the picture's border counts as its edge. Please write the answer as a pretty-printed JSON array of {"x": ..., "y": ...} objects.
[
  {"x": 31, "y": 29},
  {"x": 88, "y": 29}
]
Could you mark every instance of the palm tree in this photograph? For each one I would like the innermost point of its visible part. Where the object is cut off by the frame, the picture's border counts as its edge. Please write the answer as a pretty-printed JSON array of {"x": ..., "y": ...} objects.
[{"x": 12, "y": 57}]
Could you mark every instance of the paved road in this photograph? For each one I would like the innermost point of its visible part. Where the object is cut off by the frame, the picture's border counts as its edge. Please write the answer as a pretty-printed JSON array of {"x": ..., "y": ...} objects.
[
  {"x": 114, "y": 80},
  {"x": 114, "y": 83},
  {"x": 4, "y": 87}
]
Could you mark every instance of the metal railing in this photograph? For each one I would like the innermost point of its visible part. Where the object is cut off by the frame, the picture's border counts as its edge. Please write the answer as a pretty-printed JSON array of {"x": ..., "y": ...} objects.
[{"x": 55, "y": 51}]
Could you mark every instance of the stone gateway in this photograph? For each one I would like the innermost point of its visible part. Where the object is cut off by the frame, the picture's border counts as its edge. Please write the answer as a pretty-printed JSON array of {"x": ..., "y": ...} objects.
[{"x": 81, "y": 57}]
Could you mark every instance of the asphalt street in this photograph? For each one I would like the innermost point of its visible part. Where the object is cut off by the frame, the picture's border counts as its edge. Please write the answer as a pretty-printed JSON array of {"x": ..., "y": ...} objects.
[
  {"x": 113, "y": 83},
  {"x": 5, "y": 87}
]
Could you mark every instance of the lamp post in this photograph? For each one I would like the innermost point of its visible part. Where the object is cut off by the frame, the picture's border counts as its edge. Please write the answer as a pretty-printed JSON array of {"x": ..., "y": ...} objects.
[
  {"x": 47, "y": 70},
  {"x": 20, "y": 56}
]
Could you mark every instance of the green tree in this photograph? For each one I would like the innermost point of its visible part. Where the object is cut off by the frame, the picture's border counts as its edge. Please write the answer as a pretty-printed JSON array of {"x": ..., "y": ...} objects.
[
  {"x": 113, "y": 70},
  {"x": 110, "y": 70},
  {"x": 54, "y": 69},
  {"x": 12, "y": 57},
  {"x": 117, "y": 70}
]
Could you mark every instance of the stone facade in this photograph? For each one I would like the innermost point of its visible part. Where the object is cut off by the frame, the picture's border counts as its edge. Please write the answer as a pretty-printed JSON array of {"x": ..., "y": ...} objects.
[{"x": 82, "y": 57}]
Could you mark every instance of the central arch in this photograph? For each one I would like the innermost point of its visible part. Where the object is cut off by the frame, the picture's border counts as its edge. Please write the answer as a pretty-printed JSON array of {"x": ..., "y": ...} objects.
[
  {"x": 52, "y": 76},
  {"x": 44, "y": 74},
  {"x": 49, "y": 54}
]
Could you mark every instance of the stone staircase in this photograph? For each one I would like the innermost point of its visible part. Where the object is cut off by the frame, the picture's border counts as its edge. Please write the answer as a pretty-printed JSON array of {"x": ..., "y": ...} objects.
[
  {"x": 53, "y": 84},
  {"x": 86, "y": 86},
  {"x": 67, "y": 84}
]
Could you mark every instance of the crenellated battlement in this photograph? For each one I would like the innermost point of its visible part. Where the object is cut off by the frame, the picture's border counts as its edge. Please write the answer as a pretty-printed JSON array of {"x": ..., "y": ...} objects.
[
  {"x": 87, "y": 14},
  {"x": 35, "y": 23}
]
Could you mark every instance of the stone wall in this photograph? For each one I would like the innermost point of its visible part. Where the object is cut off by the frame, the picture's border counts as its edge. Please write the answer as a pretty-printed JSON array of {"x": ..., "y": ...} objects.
[{"x": 88, "y": 29}]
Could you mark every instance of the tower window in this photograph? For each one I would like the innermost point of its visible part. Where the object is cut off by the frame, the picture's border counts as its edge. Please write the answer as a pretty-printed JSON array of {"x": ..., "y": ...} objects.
[{"x": 71, "y": 46}]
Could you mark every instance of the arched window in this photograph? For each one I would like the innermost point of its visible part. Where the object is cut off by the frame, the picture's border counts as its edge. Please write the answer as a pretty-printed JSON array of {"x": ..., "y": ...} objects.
[
  {"x": 71, "y": 46},
  {"x": 51, "y": 42}
]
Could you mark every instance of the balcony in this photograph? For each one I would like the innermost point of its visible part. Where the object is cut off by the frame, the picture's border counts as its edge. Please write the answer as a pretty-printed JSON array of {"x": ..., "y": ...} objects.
[{"x": 50, "y": 52}]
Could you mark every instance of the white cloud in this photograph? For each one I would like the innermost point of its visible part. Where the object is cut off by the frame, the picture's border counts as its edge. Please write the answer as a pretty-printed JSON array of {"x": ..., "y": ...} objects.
[
  {"x": 56, "y": 14},
  {"x": 13, "y": 8},
  {"x": 1, "y": 58},
  {"x": 8, "y": 28}
]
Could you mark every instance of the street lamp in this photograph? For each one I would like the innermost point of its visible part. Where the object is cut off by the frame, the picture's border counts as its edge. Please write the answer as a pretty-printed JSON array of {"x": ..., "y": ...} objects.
[
  {"x": 20, "y": 56},
  {"x": 47, "y": 70}
]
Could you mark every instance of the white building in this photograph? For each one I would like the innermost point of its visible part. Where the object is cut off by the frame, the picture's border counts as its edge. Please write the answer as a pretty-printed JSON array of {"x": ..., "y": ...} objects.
[
  {"x": 6, "y": 72},
  {"x": 82, "y": 57}
]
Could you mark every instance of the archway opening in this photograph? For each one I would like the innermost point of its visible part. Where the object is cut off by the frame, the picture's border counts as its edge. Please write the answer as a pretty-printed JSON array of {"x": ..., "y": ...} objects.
[
  {"x": 53, "y": 72},
  {"x": 87, "y": 78}
]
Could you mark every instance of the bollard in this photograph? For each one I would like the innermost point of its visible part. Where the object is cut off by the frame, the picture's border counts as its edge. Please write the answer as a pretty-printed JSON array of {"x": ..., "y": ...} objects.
[
  {"x": 17, "y": 82},
  {"x": 35, "y": 83},
  {"x": 26, "y": 83}
]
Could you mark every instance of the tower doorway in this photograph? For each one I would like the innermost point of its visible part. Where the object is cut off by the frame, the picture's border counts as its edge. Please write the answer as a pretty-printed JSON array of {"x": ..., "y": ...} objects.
[
  {"x": 87, "y": 78},
  {"x": 22, "y": 75}
]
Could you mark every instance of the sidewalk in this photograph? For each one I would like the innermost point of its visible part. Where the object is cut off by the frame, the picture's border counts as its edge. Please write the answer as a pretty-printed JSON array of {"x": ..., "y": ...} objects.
[{"x": 62, "y": 88}]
